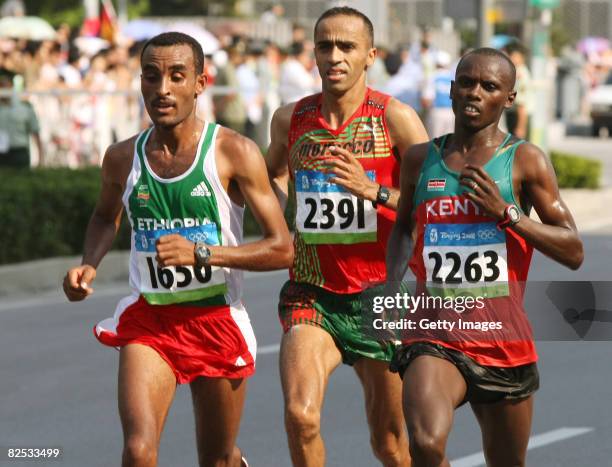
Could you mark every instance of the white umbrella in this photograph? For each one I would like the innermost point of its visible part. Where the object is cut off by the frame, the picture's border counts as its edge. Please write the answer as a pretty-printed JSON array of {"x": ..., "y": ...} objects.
[
  {"x": 90, "y": 45},
  {"x": 26, "y": 27},
  {"x": 210, "y": 44},
  {"x": 142, "y": 29}
]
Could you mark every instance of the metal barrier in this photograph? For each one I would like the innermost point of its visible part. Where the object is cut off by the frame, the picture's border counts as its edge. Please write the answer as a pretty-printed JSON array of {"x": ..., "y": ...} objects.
[{"x": 76, "y": 126}]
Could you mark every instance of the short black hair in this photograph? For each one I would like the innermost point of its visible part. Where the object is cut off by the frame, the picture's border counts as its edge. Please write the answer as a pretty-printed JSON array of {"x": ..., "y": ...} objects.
[
  {"x": 490, "y": 52},
  {"x": 347, "y": 11},
  {"x": 168, "y": 39},
  {"x": 515, "y": 46},
  {"x": 295, "y": 48}
]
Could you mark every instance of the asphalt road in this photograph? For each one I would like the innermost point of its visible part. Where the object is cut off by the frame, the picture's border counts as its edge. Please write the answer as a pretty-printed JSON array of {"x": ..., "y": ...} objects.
[{"x": 58, "y": 388}]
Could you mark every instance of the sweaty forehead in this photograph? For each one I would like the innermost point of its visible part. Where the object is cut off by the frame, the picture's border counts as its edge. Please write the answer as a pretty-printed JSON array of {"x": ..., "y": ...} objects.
[
  {"x": 485, "y": 66},
  {"x": 341, "y": 28},
  {"x": 173, "y": 55}
]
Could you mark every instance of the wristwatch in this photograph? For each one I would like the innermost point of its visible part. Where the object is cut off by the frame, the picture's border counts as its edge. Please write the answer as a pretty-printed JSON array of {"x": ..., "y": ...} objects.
[
  {"x": 202, "y": 254},
  {"x": 512, "y": 214},
  {"x": 382, "y": 196}
]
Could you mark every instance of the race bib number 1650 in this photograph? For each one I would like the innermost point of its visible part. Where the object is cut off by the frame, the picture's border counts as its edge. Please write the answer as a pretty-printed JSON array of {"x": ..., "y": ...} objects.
[{"x": 174, "y": 284}]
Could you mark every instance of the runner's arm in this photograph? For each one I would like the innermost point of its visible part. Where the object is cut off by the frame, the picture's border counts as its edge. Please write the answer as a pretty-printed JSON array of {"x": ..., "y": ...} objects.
[
  {"x": 277, "y": 162},
  {"x": 556, "y": 235},
  {"x": 274, "y": 250},
  {"x": 103, "y": 224},
  {"x": 405, "y": 130},
  {"x": 400, "y": 243}
]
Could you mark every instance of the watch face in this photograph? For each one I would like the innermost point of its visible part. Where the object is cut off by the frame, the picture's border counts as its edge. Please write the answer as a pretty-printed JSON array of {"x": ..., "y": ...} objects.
[
  {"x": 383, "y": 195},
  {"x": 514, "y": 214},
  {"x": 202, "y": 252}
]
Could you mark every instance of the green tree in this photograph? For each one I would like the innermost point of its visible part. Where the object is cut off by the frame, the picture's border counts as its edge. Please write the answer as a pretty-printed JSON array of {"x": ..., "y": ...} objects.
[{"x": 57, "y": 11}]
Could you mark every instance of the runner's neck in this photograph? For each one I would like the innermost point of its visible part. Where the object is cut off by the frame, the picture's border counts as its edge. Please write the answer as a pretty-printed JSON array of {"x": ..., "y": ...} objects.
[
  {"x": 464, "y": 140},
  {"x": 179, "y": 138},
  {"x": 336, "y": 110}
]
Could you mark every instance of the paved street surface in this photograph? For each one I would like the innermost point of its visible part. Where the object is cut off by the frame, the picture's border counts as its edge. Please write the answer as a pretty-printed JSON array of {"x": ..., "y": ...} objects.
[{"x": 58, "y": 388}]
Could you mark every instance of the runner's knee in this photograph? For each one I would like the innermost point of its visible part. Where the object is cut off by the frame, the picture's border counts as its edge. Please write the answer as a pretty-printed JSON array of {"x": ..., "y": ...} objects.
[
  {"x": 427, "y": 446},
  {"x": 302, "y": 420},
  {"x": 386, "y": 446},
  {"x": 139, "y": 451}
]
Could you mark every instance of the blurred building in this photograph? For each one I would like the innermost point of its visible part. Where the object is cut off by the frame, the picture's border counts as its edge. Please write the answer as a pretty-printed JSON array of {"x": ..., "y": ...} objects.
[{"x": 581, "y": 18}]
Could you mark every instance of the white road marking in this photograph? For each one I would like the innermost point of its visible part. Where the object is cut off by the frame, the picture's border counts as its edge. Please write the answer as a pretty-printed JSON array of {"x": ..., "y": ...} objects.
[
  {"x": 268, "y": 349},
  {"x": 536, "y": 441}
]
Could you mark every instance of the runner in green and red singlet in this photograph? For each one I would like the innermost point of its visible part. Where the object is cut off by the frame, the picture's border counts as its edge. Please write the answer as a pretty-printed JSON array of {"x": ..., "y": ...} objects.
[
  {"x": 184, "y": 184},
  {"x": 342, "y": 150},
  {"x": 465, "y": 200}
]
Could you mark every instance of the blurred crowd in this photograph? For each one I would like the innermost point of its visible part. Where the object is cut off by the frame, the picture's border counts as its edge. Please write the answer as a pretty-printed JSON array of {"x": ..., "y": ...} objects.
[{"x": 76, "y": 95}]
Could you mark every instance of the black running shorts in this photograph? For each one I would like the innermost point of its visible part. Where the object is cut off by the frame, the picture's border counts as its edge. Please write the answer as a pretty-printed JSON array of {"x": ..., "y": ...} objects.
[{"x": 485, "y": 384}]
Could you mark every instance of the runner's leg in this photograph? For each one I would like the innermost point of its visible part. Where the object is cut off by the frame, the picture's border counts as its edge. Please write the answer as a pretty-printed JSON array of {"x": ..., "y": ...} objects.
[
  {"x": 505, "y": 429},
  {"x": 217, "y": 403},
  {"x": 383, "y": 400},
  {"x": 433, "y": 388},
  {"x": 308, "y": 356},
  {"x": 146, "y": 388}
]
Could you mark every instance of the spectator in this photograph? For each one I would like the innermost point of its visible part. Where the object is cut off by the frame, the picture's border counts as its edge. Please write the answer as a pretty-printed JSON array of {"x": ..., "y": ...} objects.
[
  {"x": 230, "y": 108},
  {"x": 17, "y": 123},
  {"x": 249, "y": 88},
  {"x": 440, "y": 119},
  {"x": 298, "y": 33},
  {"x": 297, "y": 79},
  {"x": 377, "y": 73},
  {"x": 406, "y": 85},
  {"x": 518, "y": 117},
  {"x": 273, "y": 13}
]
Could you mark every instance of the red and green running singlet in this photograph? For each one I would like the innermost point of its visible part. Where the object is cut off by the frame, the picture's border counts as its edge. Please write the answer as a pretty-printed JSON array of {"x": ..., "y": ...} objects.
[
  {"x": 459, "y": 252},
  {"x": 340, "y": 240}
]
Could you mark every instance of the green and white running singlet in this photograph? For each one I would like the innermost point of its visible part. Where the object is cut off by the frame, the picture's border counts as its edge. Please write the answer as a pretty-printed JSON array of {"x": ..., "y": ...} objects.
[{"x": 194, "y": 205}]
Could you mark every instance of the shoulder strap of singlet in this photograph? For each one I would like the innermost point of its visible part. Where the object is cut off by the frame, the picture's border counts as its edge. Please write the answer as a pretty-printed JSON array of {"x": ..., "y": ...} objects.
[
  {"x": 139, "y": 146},
  {"x": 377, "y": 99},
  {"x": 509, "y": 145},
  {"x": 438, "y": 144},
  {"x": 306, "y": 106},
  {"x": 209, "y": 133}
]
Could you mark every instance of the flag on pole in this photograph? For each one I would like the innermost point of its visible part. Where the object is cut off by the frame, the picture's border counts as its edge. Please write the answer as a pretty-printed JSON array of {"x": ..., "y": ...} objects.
[{"x": 108, "y": 21}]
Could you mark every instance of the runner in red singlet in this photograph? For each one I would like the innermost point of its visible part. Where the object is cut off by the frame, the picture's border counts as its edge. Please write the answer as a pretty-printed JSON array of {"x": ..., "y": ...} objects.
[{"x": 342, "y": 150}]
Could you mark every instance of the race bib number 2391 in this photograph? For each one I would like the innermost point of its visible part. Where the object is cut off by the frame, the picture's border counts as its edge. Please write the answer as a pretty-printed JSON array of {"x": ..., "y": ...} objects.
[{"x": 327, "y": 213}]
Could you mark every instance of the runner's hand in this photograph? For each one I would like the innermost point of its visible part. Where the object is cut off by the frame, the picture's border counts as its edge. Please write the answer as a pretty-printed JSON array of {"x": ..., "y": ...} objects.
[
  {"x": 485, "y": 192},
  {"x": 175, "y": 250},
  {"x": 77, "y": 282},
  {"x": 349, "y": 173}
]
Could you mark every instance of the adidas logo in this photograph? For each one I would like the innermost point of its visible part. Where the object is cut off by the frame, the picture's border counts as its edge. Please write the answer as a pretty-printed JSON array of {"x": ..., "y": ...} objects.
[
  {"x": 200, "y": 190},
  {"x": 240, "y": 362}
]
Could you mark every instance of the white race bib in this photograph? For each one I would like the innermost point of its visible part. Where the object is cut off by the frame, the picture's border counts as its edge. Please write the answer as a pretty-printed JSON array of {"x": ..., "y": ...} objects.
[
  {"x": 327, "y": 213},
  {"x": 175, "y": 284},
  {"x": 466, "y": 259}
]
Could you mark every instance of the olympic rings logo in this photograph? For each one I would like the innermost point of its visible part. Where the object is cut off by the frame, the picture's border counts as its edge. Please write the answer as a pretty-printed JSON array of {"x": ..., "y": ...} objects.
[
  {"x": 487, "y": 234},
  {"x": 198, "y": 237}
]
